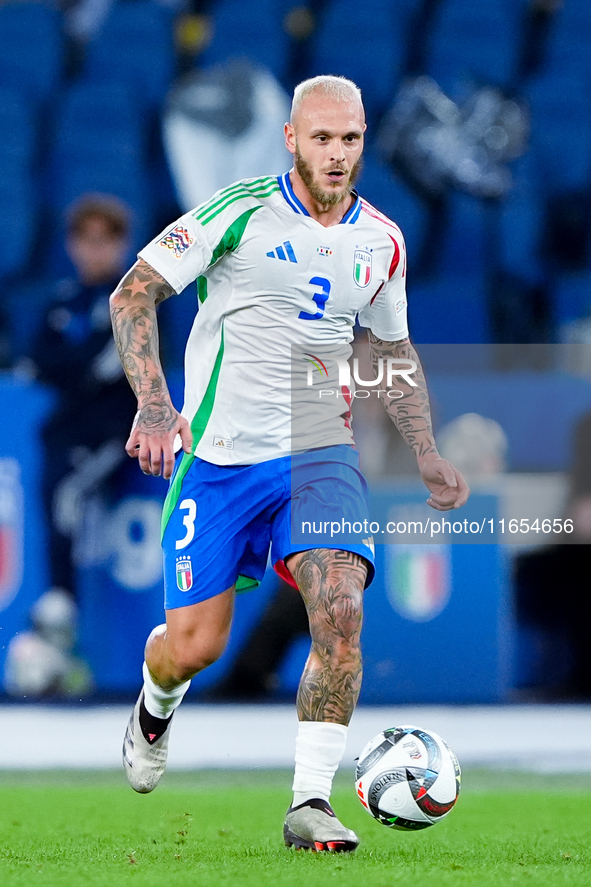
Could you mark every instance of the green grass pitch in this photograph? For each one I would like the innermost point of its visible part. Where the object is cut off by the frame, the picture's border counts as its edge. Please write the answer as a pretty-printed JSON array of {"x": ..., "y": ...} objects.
[{"x": 224, "y": 828}]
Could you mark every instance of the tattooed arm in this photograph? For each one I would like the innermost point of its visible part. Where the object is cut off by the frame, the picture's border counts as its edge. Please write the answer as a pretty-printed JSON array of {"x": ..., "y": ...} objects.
[
  {"x": 135, "y": 327},
  {"x": 411, "y": 414}
]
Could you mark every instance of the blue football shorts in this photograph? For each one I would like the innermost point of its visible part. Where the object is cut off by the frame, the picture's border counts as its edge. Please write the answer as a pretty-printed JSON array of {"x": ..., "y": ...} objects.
[{"x": 221, "y": 522}]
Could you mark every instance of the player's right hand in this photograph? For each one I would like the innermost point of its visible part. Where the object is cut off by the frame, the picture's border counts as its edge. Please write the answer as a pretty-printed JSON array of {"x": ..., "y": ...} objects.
[
  {"x": 446, "y": 484},
  {"x": 152, "y": 438}
]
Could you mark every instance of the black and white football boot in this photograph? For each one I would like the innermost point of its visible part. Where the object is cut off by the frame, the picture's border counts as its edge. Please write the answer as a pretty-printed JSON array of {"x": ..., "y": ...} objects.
[{"x": 144, "y": 760}]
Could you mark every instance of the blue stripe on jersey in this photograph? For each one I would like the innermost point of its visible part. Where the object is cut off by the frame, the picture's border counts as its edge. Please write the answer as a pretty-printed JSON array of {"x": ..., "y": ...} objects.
[
  {"x": 349, "y": 218},
  {"x": 287, "y": 190},
  {"x": 352, "y": 214}
]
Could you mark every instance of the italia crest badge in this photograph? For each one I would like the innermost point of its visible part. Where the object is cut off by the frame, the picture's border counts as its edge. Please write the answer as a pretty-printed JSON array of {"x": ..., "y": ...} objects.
[
  {"x": 184, "y": 573},
  {"x": 362, "y": 267}
]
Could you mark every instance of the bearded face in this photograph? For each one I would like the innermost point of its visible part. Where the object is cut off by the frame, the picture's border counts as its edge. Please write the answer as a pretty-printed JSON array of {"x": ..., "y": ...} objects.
[
  {"x": 327, "y": 194},
  {"x": 325, "y": 137}
]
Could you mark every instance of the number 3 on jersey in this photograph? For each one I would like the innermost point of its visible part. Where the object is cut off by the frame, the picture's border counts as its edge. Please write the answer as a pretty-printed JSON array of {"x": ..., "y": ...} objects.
[
  {"x": 319, "y": 298},
  {"x": 190, "y": 506}
]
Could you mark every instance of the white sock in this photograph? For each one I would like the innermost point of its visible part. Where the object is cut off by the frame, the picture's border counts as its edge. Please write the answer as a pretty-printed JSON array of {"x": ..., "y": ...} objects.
[
  {"x": 319, "y": 749},
  {"x": 161, "y": 703}
]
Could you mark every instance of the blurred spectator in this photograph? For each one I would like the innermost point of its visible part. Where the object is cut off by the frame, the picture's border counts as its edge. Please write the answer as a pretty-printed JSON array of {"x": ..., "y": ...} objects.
[
  {"x": 551, "y": 590},
  {"x": 74, "y": 353},
  {"x": 476, "y": 443},
  {"x": 40, "y": 661}
]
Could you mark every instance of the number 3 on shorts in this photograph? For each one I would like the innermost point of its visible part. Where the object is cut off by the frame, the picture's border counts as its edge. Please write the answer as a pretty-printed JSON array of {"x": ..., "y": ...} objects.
[{"x": 190, "y": 506}]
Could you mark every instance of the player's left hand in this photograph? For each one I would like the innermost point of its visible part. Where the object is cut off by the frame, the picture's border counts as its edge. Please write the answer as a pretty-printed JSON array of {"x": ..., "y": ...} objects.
[{"x": 447, "y": 485}]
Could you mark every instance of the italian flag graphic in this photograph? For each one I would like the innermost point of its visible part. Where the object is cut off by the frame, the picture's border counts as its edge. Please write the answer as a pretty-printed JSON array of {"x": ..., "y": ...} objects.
[
  {"x": 419, "y": 580},
  {"x": 362, "y": 267}
]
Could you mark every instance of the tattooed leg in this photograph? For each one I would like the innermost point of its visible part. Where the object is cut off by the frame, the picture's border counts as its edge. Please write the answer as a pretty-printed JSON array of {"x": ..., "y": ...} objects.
[{"x": 331, "y": 583}]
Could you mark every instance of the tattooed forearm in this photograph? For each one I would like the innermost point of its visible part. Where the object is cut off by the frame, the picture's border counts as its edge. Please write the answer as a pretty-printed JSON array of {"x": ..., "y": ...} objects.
[
  {"x": 411, "y": 413},
  {"x": 135, "y": 328},
  {"x": 331, "y": 584}
]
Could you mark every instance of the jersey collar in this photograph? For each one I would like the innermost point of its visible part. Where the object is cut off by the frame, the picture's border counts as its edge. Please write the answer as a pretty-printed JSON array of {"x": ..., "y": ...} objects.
[{"x": 349, "y": 218}]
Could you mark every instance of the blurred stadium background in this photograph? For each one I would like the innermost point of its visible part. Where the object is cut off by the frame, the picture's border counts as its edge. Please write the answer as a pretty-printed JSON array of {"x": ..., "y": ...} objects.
[{"x": 479, "y": 146}]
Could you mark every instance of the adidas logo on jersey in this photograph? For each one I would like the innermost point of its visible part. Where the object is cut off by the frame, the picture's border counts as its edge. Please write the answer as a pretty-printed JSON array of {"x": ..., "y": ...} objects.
[{"x": 284, "y": 252}]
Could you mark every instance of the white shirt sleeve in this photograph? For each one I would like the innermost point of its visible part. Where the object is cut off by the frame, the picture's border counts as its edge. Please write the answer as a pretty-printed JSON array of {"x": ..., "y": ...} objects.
[{"x": 180, "y": 253}]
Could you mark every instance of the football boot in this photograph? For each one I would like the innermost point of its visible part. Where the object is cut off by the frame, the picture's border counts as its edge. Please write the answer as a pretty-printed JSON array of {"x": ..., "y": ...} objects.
[
  {"x": 314, "y": 826},
  {"x": 144, "y": 762}
]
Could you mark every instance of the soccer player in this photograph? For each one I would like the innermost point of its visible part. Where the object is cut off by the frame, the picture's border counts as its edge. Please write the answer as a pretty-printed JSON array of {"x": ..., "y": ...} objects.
[{"x": 282, "y": 263}]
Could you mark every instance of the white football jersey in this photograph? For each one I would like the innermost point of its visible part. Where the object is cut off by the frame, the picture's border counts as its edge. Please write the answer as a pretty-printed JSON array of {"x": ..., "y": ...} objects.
[{"x": 279, "y": 297}]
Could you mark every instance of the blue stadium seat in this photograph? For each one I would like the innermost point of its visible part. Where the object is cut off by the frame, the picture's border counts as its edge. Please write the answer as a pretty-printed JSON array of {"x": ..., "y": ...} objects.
[
  {"x": 448, "y": 310},
  {"x": 381, "y": 187},
  {"x": 100, "y": 144},
  {"x": 519, "y": 244},
  {"x": 135, "y": 46},
  {"x": 475, "y": 41},
  {"x": 451, "y": 306},
  {"x": 568, "y": 47},
  {"x": 17, "y": 226},
  {"x": 249, "y": 30},
  {"x": 18, "y": 196},
  {"x": 31, "y": 48},
  {"x": 97, "y": 120},
  {"x": 571, "y": 298},
  {"x": 466, "y": 242},
  {"x": 561, "y": 130},
  {"x": 19, "y": 135},
  {"x": 367, "y": 44}
]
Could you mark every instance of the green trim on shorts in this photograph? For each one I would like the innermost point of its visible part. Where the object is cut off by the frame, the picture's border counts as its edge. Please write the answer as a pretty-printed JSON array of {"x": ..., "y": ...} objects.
[
  {"x": 245, "y": 583},
  {"x": 198, "y": 426}
]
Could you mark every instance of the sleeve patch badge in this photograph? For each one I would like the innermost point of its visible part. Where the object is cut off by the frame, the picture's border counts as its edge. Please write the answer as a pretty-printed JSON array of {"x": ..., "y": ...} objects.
[{"x": 178, "y": 240}]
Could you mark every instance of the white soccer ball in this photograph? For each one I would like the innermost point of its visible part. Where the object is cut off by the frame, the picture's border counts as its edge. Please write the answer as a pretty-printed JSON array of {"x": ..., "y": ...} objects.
[{"x": 407, "y": 778}]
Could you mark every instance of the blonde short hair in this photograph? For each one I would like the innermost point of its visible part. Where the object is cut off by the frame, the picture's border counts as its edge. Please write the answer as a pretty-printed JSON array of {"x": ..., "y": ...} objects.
[{"x": 337, "y": 88}]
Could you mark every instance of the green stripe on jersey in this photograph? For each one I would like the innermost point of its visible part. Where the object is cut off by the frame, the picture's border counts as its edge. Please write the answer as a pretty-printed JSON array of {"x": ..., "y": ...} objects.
[
  {"x": 233, "y": 235},
  {"x": 202, "y": 289},
  {"x": 242, "y": 188},
  {"x": 229, "y": 242},
  {"x": 228, "y": 201},
  {"x": 198, "y": 426},
  {"x": 261, "y": 182},
  {"x": 259, "y": 188}
]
